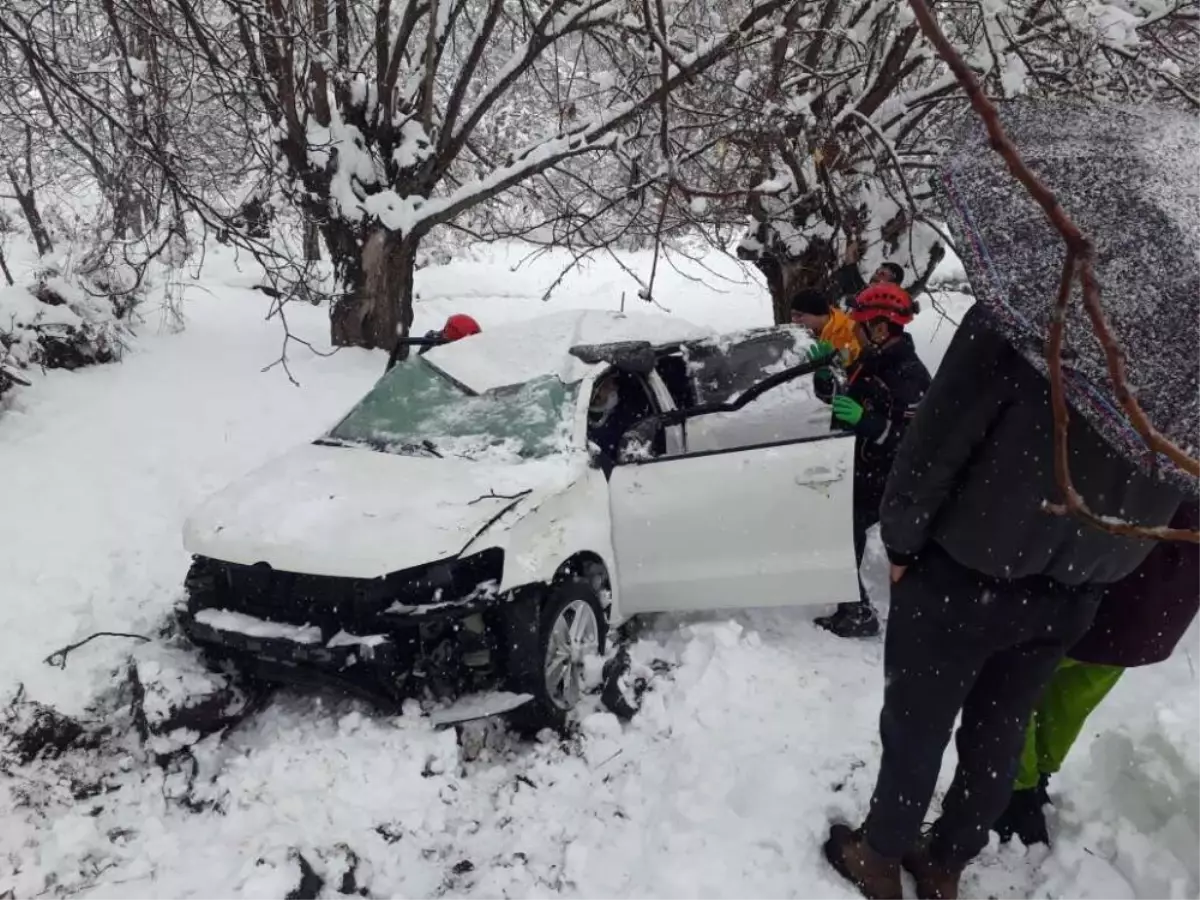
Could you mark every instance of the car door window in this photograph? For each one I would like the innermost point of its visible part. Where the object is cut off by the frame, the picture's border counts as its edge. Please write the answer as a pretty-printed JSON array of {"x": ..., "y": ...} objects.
[
  {"x": 721, "y": 369},
  {"x": 672, "y": 368},
  {"x": 619, "y": 401}
]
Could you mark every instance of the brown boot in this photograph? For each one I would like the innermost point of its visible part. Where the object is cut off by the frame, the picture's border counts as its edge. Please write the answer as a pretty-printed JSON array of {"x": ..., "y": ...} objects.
[
  {"x": 878, "y": 877},
  {"x": 935, "y": 879}
]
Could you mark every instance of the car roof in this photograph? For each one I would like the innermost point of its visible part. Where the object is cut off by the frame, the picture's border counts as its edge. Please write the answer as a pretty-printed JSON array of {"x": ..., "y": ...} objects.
[{"x": 520, "y": 351}]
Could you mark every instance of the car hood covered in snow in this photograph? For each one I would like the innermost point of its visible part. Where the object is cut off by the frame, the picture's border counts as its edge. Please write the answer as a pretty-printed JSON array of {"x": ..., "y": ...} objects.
[{"x": 351, "y": 512}]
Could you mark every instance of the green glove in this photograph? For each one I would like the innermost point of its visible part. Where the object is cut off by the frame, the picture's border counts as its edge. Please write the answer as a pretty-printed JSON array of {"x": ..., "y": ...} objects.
[
  {"x": 819, "y": 350},
  {"x": 847, "y": 409},
  {"x": 823, "y": 382}
]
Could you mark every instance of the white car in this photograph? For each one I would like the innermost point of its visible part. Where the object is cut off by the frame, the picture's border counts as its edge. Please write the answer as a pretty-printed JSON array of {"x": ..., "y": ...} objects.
[{"x": 487, "y": 511}]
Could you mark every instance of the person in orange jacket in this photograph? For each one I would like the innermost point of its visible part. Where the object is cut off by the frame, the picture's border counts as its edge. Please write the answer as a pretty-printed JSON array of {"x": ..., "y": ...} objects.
[{"x": 830, "y": 327}]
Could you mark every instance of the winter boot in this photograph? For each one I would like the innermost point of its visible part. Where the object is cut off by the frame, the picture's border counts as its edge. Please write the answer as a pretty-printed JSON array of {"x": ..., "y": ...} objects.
[
  {"x": 936, "y": 880},
  {"x": 1024, "y": 818},
  {"x": 877, "y": 877},
  {"x": 1043, "y": 789},
  {"x": 851, "y": 620}
]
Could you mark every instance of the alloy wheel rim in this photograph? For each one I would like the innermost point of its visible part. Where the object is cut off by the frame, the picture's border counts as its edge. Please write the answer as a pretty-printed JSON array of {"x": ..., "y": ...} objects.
[{"x": 574, "y": 636}]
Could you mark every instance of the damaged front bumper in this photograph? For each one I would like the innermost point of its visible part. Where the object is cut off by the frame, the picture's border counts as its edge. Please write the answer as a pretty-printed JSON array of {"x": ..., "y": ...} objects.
[{"x": 431, "y": 630}]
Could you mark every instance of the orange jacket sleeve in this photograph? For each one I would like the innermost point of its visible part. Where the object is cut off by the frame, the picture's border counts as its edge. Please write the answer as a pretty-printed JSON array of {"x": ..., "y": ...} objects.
[{"x": 839, "y": 331}]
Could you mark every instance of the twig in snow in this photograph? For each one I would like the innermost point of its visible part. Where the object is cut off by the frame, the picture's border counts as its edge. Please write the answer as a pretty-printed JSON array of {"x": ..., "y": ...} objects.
[
  {"x": 58, "y": 658},
  {"x": 610, "y": 759}
]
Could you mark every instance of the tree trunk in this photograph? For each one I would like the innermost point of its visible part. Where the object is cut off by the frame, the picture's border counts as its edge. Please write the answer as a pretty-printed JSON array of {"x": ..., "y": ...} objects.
[
  {"x": 378, "y": 306},
  {"x": 4, "y": 268},
  {"x": 33, "y": 217},
  {"x": 312, "y": 241},
  {"x": 785, "y": 278}
]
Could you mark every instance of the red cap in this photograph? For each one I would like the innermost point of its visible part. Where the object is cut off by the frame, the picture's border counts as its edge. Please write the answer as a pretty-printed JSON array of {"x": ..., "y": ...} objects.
[
  {"x": 460, "y": 326},
  {"x": 883, "y": 301}
]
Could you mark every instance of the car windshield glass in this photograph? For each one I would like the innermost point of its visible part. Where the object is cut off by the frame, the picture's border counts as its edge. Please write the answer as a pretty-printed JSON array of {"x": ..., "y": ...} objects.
[{"x": 416, "y": 410}]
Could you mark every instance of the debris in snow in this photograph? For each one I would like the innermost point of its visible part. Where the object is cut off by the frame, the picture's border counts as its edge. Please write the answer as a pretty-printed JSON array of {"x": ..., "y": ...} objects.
[
  {"x": 310, "y": 884},
  {"x": 477, "y": 706},
  {"x": 368, "y": 643},
  {"x": 251, "y": 626},
  {"x": 30, "y": 730}
]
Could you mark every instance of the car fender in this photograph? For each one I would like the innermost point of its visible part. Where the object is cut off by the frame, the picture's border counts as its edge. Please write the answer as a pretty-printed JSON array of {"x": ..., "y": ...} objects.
[{"x": 554, "y": 528}]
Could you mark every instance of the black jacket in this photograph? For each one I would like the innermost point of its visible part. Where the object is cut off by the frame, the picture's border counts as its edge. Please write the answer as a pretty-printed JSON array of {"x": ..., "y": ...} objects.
[
  {"x": 848, "y": 283},
  {"x": 889, "y": 383},
  {"x": 976, "y": 464}
]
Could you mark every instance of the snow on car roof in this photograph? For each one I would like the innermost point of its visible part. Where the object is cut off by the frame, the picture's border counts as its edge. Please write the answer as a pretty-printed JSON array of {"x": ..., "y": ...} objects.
[{"x": 517, "y": 352}]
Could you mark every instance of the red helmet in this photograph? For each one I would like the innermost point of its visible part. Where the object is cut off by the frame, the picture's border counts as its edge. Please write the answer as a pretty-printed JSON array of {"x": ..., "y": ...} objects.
[
  {"x": 883, "y": 301},
  {"x": 460, "y": 326}
]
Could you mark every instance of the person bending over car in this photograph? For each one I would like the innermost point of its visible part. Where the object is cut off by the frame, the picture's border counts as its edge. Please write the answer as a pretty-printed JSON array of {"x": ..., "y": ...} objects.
[
  {"x": 884, "y": 388},
  {"x": 457, "y": 327}
]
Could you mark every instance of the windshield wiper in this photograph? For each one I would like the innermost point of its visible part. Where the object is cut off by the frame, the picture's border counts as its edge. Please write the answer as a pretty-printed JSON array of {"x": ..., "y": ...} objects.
[{"x": 423, "y": 447}]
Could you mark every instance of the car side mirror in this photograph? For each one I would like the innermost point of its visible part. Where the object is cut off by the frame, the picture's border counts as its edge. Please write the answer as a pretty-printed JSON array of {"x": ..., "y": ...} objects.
[{"x": 637, "y": 444}]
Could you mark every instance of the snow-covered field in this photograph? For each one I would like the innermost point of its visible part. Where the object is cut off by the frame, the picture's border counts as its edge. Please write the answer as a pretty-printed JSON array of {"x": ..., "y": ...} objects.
[{"x": 761, "y": 731}]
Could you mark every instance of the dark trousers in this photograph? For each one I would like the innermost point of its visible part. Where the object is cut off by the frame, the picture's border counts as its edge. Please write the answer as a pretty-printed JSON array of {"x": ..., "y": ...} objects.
[
  {"x": 868, "y": 495},
  {"x": 863, "y": 520},
  {"x": 957, "y": 639}
]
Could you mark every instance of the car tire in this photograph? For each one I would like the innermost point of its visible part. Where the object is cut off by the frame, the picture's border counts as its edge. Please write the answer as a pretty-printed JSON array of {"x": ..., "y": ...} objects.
[{"x": 572, "y": 626}]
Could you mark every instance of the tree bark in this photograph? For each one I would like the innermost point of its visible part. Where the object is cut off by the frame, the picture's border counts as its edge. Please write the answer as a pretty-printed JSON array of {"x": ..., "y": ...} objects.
[
  {"x": 785, "y": 278},
  {"x": 33, "y": 217},
  {"x": 4, "y": 268},
  {"x": 377, "y": 308},
  {"x": 312, "y": 241}
]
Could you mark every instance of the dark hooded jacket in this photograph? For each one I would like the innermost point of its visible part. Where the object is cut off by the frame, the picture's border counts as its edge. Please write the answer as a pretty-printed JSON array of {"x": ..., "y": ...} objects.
[
  {"x": 889, "y": 383},
  {"x": 1145, "y": 614},
  {"x": 976, "y": 466}
]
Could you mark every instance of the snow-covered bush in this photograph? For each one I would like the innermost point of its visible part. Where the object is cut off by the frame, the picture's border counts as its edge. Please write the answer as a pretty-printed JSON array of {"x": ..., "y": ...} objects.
[{"x": 57, "y": 323}]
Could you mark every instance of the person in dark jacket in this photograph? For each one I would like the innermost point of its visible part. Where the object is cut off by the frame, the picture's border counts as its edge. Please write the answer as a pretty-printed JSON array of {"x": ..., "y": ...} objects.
[
  {"x": 849, "y": 282},
  {"x": 884, "y": 388},
  {"x": 1140, "y": 621},
  {"x": 989, "y": 591}
]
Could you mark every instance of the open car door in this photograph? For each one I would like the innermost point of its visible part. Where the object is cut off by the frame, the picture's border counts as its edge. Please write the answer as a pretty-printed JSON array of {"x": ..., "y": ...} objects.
[{"x": 756, "y": 510}]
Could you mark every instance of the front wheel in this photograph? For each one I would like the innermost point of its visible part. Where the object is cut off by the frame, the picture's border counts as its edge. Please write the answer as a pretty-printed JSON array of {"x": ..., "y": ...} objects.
[{"x": 572, "y": 628}]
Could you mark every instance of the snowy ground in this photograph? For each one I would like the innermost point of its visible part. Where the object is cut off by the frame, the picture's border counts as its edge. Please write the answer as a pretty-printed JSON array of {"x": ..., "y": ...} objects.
[{"x": 762, "y": 731}]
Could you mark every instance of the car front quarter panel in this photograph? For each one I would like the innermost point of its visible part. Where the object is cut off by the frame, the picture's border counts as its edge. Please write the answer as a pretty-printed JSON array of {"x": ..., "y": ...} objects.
[{"x": 568, "y": 522}]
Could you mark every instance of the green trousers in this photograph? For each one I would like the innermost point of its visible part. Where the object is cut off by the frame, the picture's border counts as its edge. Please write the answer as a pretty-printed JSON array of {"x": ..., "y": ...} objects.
[{"x": 1075, "y": 690}]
